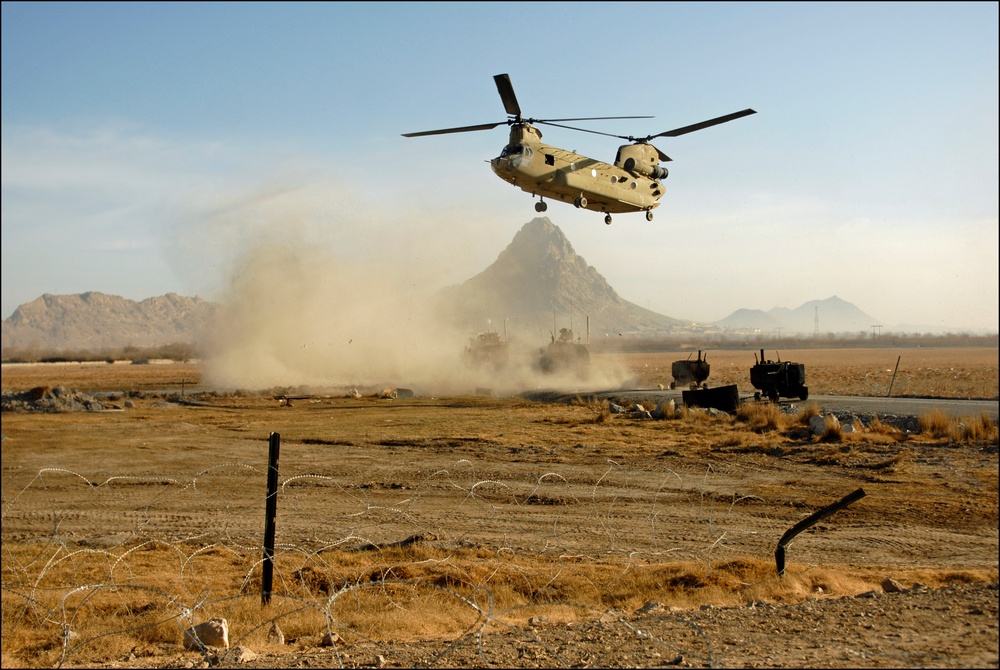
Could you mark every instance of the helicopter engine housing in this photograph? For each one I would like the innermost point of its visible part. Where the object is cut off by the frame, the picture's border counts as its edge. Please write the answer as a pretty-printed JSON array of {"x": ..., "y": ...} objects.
[
  {"x": 652, "y": 171},
  {"x": 641, "y": 159}
]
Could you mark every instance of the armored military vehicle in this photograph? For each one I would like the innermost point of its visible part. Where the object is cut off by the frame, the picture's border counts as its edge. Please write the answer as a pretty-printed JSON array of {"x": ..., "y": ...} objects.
[
  {"x": 565, "y": 355},
  {"x": 486, "y": 350}
]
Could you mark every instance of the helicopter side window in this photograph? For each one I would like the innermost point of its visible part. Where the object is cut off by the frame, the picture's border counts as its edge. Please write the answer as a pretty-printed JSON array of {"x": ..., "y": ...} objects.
[{"x": 550, "y": 159}]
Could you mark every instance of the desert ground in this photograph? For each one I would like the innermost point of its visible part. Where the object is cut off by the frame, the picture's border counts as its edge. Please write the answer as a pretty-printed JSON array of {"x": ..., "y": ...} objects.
[{"x": 479, "y": 531}]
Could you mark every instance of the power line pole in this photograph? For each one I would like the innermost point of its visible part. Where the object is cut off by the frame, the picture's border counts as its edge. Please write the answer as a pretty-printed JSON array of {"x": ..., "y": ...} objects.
[{"x": 816, "y": 322}]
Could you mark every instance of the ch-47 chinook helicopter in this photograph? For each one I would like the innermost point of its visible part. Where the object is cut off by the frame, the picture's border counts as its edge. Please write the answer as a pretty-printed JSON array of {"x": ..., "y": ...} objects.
[{"x": 634, "y": 183}]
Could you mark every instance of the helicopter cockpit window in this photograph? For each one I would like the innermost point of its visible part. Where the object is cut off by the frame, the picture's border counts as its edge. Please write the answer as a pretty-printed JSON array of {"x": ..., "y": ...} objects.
[{"x": 514, "y": 150}]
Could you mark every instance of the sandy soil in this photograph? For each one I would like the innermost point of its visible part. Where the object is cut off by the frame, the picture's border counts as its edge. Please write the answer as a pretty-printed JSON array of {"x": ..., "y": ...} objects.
[{"x": 531, "y": 479}]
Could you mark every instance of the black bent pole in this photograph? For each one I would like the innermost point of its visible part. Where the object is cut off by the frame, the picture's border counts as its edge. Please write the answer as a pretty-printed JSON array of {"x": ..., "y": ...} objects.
[
  {"x": 779, "y": 554},
  {"x": 270, "y": 517}
]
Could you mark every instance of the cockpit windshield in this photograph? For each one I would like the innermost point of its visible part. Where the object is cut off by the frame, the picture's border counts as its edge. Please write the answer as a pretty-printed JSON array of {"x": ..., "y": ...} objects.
[{"x": 513, "y": 150}]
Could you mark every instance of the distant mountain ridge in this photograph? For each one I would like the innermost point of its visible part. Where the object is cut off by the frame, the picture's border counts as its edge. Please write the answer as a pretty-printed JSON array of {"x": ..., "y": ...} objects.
[
  {"x": 832, "y": 315},
  {"x": 537, "y": 283},
  {"x": 97, "y": 321}
]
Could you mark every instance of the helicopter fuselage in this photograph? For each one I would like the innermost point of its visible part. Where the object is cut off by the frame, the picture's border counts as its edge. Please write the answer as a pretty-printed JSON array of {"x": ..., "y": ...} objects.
[{"x": 550, "y": 172}]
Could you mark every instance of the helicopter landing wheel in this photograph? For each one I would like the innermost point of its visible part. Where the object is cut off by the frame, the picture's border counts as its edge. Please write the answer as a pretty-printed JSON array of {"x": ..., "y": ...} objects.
[
  {"x": 541, "y": 206},
  {"x": 607, "y": 219},
  {"x": 649, "y": 216},
  {"x": 580, "y": 202}
]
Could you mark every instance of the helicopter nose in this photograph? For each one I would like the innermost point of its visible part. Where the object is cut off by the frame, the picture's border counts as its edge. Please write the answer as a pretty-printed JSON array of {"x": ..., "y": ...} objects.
[{"x": 501, "y": 165}]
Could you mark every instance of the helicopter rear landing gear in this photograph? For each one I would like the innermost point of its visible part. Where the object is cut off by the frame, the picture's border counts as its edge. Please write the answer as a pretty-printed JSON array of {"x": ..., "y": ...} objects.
[
  {"x": 541, "y": 206},
  {"x": 649, "y": 215},
  {"x": 607, "y": 219},
  {"x": 580, "y": 202}
]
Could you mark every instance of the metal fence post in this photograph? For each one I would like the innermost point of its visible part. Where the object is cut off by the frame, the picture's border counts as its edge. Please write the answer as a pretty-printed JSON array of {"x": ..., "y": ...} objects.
[{"x": 270, "y": 517}]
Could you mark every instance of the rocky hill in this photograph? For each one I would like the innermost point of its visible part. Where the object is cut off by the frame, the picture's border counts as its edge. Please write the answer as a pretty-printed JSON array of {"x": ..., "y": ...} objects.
[
  {"x": 537, "y": 280},
  {"x": 97, "y": 321}
]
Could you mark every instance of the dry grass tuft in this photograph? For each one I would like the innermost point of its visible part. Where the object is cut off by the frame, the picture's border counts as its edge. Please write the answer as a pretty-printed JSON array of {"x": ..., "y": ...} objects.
[
  {"x": 396, "y": 594},
  {"x": 935, "y": 423},
  {"x": 762, "y": 417},
  {"x": 961, "y": 430}
]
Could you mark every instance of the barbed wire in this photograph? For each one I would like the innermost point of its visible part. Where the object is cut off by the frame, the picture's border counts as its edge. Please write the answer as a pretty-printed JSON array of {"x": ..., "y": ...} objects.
[
  {"x": 61, "y": 528},
  {"x": 78, "y": 567}
]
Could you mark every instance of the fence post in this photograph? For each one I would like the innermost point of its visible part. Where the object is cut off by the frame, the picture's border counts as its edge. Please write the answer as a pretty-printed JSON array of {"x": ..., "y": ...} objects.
[
  {"x": 894, "y": 376},
  {"x": 779, "y": 553},
  {"x": 270, "y": 517}
]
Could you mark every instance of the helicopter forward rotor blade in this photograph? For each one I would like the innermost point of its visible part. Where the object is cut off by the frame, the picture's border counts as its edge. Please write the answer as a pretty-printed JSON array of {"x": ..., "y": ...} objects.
[
  {"x": 506, "y": 90},
  {"x": 704, "y": 124},
  {"x": 583, "y": 130},
  {"x": 491, "y": 126},
  {"x": 589, "y": 118},
  {"x": 463, "y": 129}
]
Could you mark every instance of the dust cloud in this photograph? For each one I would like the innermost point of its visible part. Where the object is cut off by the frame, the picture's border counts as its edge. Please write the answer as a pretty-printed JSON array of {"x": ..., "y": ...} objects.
[{"x": 316, "y": 312}]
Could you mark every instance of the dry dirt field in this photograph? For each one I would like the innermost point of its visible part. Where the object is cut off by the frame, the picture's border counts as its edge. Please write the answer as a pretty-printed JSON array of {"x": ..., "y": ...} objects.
[{"x": 478, "y": 531}]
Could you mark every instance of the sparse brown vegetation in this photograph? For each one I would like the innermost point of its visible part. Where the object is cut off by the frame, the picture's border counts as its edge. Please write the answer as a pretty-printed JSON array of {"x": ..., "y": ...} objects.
[
  {"x": 177, "y": 351},
  {"x": 128, "y": 526}
]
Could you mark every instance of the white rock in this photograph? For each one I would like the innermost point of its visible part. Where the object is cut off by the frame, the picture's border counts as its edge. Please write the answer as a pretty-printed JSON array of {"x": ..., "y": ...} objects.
[
  {"x": 242, "y": 654},
  {"x": 212, "y": 633},
  {"x": 890, "y": 585},
  {"x": 275, "y": 636},
  {"x": 817, "y": 424},
  {"x": 331, "y": 639}
]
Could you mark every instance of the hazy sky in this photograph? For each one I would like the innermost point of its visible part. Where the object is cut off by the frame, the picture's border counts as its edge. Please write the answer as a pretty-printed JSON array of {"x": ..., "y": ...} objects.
[{"x": 153, "y": 148}]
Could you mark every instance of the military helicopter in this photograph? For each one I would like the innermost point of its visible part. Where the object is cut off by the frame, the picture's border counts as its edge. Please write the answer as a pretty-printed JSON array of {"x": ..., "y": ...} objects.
[{"x": 632, "y": 184}]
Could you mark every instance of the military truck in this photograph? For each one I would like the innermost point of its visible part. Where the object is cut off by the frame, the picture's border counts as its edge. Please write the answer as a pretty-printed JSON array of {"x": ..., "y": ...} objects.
[
  {"x": 777, "y": 379},
  {"x": 565, "y": 355},
  {"x": 486, "y": 350}
]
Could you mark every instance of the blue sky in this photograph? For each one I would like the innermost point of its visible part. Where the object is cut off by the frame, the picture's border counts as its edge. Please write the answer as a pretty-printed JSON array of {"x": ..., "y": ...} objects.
[{"x": 150, "y": 148}]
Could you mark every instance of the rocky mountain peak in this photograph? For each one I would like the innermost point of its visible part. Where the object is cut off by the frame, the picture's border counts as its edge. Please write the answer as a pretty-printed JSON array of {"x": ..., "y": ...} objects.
[{"x": 539, "y": 276}]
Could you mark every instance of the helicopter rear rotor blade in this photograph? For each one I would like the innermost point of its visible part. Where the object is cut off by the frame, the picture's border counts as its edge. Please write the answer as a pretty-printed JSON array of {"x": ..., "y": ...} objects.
[
  {"x": 506, "y": 90},
  {"x": 663, "y": 157},
  {"x": 463, "y": 129},
  {"x": 704, "y": 124}
]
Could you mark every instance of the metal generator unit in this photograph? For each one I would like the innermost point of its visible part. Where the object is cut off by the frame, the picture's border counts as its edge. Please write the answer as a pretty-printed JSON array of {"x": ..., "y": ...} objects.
[
  {"x": 690, "y": 373},
  {"x": 776, "y": 379}
]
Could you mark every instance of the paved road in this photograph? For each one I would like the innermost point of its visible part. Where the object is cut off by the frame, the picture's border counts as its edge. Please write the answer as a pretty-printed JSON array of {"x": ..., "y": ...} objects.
[
  {"x": 908, "y": 406},
  {"x": 859, "y": 404}
]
